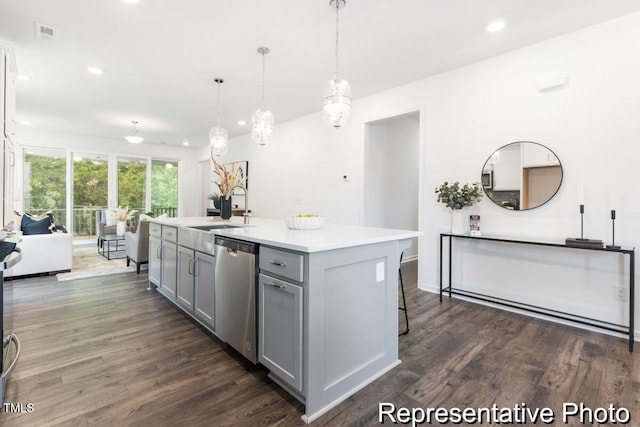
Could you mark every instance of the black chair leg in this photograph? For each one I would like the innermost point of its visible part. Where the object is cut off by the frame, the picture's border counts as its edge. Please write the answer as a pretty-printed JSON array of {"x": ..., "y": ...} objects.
[{"x": 404, "y": 300}]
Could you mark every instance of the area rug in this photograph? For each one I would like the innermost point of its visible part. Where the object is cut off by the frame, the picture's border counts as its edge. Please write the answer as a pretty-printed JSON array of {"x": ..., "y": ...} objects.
[{"x": 87, "y": 262}]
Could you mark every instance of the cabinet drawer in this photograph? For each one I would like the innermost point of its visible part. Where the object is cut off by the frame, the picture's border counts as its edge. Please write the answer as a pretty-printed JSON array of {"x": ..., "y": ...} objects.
[
  {"x": 155, "y": 230},
  {"x": 282, "y": 263},
  {"x": 170, "y": 233}
]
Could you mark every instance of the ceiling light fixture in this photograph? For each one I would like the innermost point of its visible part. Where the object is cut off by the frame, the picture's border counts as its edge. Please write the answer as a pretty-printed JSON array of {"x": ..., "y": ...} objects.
[
  {"x": 242, "y": 122},
  {"x": 95, "y": 70},
  {"x": 218, "y": 136},
  {"x": 262, "y": 119},
  {"x": 23, "y": 77},
  {"x": 496, "y": 26},
  {"x": 134, "y": 139},
  {"x": 337, "y": 92}
]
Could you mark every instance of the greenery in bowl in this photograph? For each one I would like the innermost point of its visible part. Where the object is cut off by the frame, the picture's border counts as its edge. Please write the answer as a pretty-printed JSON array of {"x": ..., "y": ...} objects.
[{"x": 456, "y": 196}]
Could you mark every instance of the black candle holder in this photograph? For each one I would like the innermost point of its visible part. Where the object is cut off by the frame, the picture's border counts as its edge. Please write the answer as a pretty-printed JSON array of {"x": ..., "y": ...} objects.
[
  {"x": 613, "y": 231},
  {"x": 581, "y": 241}
]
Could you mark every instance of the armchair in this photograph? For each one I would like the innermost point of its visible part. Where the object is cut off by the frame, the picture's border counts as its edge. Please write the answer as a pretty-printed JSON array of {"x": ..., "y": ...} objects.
[{"x": 137, "y": 245}]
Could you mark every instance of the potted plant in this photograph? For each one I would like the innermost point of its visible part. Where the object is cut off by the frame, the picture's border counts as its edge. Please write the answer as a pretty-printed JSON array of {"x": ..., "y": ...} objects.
[
  {"x": 456, "y": 197},
  {"x": 215, "y": 198}
]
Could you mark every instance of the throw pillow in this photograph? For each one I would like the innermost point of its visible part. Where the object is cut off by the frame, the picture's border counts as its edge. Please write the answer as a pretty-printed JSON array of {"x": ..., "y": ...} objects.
[
  {"x": 30, "y": 225},
  {"x": 164, "y": 215}
]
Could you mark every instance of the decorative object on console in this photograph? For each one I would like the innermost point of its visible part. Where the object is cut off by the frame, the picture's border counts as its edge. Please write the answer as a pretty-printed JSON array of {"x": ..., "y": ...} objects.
[
  {"x": 457, "y": 197},
  {"x": 218, "y": 137},
  {"x": 227, "y": 177},
  {"x": 582, "y": 242},
  {"x": 613, "y": 231},
  {"x": 262, "y": 120},
  {"x": 337, "y": 92},
  {"x": 474, "y": 225}
]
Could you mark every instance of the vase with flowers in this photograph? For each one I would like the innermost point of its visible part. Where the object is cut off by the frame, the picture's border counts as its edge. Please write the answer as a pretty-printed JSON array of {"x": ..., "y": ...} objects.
[
  {"x": 226, "y": 178},
  {"x": 456, "y": 197},
  {"x": 121, "y": 216}
]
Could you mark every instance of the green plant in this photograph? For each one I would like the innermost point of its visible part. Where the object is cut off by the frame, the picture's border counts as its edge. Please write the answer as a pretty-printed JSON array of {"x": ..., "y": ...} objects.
[
  {"x": 455, "y": 196},
  {"x": 215, "y": 198}
]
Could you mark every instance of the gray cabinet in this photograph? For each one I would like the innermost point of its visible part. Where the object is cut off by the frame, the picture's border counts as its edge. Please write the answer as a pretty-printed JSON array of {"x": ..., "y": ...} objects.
[
  {"x": 169, "y": 255},
  {"x": 280, "y": 329},
  {"x": 186, "y": 267},
  {"x": 195, "y": 287},
  {"x": 155, "y": 261},
  {"x": 204, "y": 286},
  {"x": 280, "y": 308}
]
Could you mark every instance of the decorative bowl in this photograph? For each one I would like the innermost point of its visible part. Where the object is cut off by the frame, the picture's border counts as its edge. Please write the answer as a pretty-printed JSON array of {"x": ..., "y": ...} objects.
[{"x": 304, "y": 222}]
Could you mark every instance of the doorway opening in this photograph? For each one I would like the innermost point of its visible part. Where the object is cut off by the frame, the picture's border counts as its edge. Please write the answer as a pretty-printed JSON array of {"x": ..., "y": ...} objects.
[{"x": 392, "y": 175}]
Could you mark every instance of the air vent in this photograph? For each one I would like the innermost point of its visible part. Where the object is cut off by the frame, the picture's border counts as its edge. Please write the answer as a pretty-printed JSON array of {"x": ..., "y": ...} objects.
[{"x": 44, "y": 32}]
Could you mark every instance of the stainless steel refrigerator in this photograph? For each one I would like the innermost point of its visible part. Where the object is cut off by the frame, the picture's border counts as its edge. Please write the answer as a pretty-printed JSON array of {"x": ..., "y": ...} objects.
[{"x": 10, "y": 342}]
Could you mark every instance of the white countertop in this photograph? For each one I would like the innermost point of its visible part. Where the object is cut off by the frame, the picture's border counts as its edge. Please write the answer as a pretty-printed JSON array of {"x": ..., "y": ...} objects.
[{"x": 275, "y": 232}]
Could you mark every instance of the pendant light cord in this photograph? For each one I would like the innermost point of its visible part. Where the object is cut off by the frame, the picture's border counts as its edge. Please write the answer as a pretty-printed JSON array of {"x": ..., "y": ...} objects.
[
  {"x": 337, "y": 37},
  {"x": 218, "y": 112},
  {"x": 263, "y": 53}
]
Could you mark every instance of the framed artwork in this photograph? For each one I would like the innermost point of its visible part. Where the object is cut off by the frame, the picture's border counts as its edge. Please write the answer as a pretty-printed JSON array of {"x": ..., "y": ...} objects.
[{"x": 243, "y": 167}]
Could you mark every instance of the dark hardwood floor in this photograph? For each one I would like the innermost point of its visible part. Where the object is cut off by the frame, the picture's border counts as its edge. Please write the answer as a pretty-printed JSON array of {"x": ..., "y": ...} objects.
[{"x": 105, "y": 352}]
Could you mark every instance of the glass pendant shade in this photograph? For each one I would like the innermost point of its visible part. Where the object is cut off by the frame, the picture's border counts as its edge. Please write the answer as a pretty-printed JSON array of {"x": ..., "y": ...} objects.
[
  {"x": 263, "y": 124},
  {"x": 219, "y": 140},
  {"x": 337, "y": 102}
]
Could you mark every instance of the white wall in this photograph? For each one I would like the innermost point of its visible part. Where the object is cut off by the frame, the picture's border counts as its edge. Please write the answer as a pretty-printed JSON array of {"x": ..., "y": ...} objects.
[{"x": 466, "y": 114}]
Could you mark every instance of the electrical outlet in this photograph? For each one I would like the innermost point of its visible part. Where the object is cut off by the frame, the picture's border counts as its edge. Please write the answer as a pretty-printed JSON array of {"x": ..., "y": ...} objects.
[{"x": 620, "y": 293}]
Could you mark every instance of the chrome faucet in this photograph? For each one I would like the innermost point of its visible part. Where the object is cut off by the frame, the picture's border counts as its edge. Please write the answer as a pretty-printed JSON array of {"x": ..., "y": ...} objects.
[{"x": 246, "y": 201}]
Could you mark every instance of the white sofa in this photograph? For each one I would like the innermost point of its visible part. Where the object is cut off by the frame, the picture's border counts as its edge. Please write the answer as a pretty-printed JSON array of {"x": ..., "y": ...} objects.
[{"x": 43, "y": 253}]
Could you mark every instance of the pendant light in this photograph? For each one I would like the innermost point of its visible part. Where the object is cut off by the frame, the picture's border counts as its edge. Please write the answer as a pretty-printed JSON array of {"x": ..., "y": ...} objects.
[
  {"x": 262, "y": 119},
  {"x": 134, "y": 138},
  {"x": 337, "y": 92},
  {"x": 218, "y": 136}
]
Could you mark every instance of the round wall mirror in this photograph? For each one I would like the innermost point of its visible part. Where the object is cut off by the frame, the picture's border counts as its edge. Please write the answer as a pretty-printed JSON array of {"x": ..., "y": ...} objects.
[{"x": 522, "y": 175}]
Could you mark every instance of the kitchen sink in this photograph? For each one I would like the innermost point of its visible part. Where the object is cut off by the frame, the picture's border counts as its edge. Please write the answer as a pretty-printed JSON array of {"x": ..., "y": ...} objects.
[{"x": 214, "y": 226}]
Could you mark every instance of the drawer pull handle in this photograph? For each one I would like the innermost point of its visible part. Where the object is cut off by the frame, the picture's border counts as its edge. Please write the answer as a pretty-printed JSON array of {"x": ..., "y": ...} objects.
[
  {"x": 275, "y": 285},
  {"x": 276, "y": 263}
]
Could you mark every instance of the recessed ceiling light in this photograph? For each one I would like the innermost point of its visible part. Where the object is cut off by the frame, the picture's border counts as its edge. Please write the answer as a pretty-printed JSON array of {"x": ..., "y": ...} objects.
[
  {"x": 132, "y": 1},
  {"x": 242, "y": 122},
  {"x": 25, "y": 122},
  {"x": 496, "y": 26},
  {"x": 95, "y": 70},
  {"x": 185, "y": 143},
  {"x": 23, "y": 77}
]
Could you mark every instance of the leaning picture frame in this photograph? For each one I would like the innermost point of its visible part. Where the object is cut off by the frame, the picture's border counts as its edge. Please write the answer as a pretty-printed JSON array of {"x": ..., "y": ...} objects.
[{"x": 243, "y": 166}]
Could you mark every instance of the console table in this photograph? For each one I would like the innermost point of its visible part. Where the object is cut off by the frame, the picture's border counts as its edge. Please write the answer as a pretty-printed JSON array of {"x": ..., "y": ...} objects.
[{"x": 624, "y": 329}]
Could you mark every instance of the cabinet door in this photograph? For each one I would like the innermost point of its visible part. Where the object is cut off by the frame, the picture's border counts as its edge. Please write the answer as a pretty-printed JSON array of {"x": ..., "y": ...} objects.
[
  {"x": 205, "y": 288},
  {"x": 186, "y": 266},
  {"x": 155, "y": 262},
  {"x": 169, "y": 267},
  {"x": 280, "y": 329}
]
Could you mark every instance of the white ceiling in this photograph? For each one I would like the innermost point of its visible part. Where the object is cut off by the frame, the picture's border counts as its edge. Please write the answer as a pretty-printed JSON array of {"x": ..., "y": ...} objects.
[{"x": 160, "y": 56}]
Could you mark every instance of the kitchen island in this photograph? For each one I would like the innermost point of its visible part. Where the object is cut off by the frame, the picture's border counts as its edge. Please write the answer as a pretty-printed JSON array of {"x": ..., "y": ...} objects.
[{"x": 327, "y": 299}]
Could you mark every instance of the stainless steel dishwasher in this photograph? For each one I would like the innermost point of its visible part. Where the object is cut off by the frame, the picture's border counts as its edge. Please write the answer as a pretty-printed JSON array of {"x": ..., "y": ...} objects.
[{"x": 235, "y": 294}]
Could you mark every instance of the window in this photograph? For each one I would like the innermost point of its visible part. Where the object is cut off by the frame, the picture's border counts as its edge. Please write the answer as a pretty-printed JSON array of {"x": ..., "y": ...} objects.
[
  {"x": 164, "y": 187},
  {"x": 132, "y": 183},
  {"x": 90, "y": 192},
  {"x": 45, "y": 182}
]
